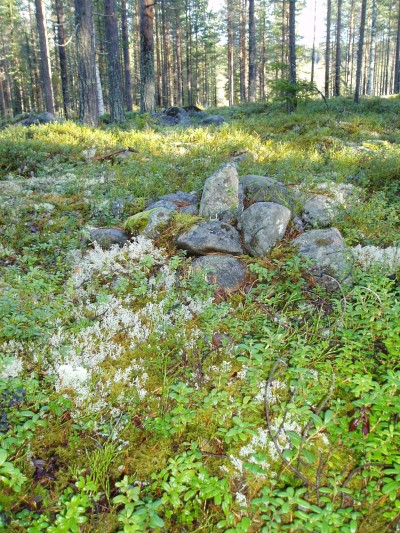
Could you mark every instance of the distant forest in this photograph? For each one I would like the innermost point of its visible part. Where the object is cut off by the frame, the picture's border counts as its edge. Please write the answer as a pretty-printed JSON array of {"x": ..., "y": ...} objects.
[{"x": 84, "y": 58}]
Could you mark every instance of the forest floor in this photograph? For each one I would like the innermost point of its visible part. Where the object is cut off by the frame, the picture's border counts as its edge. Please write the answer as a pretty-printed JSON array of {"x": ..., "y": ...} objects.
[{"x": 137, "y": 397}]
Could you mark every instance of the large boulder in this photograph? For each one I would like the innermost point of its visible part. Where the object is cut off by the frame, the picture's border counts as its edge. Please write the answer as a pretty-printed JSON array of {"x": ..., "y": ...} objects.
[
  {"x": 175, "y": 116},
  {"x": 40, "y": 118},
  {"x": 106, "y": 237},
  {"x": 220, "y": 198},
  {"x": 265, "y": 189},
  {"x": 264, "y": 224},
  {"x": 208, "y": 237},
  {"x": 222, "y": 270},
  {"x": 327, "y": 251}
]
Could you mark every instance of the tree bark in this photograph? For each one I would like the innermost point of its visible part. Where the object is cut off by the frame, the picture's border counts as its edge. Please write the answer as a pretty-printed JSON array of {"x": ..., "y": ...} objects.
[
  {"x": 360, "y": 51},
  {"x": 372, "y": 44},
  {"x": 338, "y": 59},
  {"x": 231, "y": 79},
  {"x": 252, "y": 54},
  {"x": 147, "y": 81},
  {"x": 114, "y": 63},
  {"x": 85, "y": 43},
  {"x": 313, "y": 46},
  {"x": 44, "y": 56},
  {"x": 328, "y": 48},
  {"x": 397, "y": 57},
  {"x": 292, "y": 53},
  {"x": 62, "y": 54},
  {"x": 178, "y": 52},
  {"x": 242, "y": 50},
  {"x": 127, "y": 61}
]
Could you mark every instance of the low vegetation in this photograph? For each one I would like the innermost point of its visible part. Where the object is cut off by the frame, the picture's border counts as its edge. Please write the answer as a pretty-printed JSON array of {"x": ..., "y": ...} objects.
[{"x": 135, "y": 396}]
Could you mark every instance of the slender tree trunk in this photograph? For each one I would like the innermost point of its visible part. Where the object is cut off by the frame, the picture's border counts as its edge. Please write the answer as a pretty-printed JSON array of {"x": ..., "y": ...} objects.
[
  {"x": 231, "y": 73},
  {"x": 372, "y": 44},
  {"x": 385, "y": 85},
  {"x": 44, "y": 56},
  {"x": 88, "y": 101},
  {"x": 147, "y": 81},
  {"x": 338, "y": 60},
  {"x": 252, "y": 54},
  {"x": 178, "y": 51},
  {"x": 328, "y": 48},
  {"x": 349, "y": 58},
  {"x": 292, "y": 53},
  {"x": 62, "y": 54},
  {"x": 36, "y": 72},
  {"x": 136, "y": 71},
  {"x": 313, "y": 46},
  {"x": 242, "y": 50},
  {"x": 114, "y": 64},
  {"x": 159, "y": 66},
  {"x": 360, "y": 51},
  {"x": 3, "y": 111},
  {"x": 284, "y": 57},
  {"x": 397, "y": 57},
  {"x": 127, "y": 61}
]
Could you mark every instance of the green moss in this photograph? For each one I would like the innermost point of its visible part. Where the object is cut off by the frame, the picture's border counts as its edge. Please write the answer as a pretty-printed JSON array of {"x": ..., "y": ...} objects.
[{"x": 136, "y": 224}]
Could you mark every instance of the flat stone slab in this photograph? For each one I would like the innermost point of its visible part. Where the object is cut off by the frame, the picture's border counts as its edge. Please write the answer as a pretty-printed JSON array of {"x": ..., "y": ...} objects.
[
  {"x": 220, "y": 198},
  {"x": 107, "y": 237},
  {"x": 208, "y": 237},
  {"x": 222, "y": 270},
  {"x": 264, "y": 224},
  {"x": 328, "y": 253}
]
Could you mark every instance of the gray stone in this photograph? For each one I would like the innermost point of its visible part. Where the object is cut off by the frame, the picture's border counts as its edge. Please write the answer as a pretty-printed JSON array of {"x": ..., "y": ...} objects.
[
  {"x": 40, "y": 118},
  {"x": 220, "y": 198},
  {"x": 208, "y": 237},
  {"x": 328, "y": 253},
  {"x": 195, "y": 112},
  {"x": 175, "y": 116},
  {"x": 162, "y": 204},
  {"x": 264, "y": 224},
  {"x": 264, "y": 189},
  {"x": 118, "y": 207},
  {"x": 185, "y": 202},
  {"x": 107, "y": 237},
  {"x": 222, "y": 270},
  {"x": 319, "y": 211},
  {"x": 212, "y": 120},
  {"x": 158, "y": 217}
]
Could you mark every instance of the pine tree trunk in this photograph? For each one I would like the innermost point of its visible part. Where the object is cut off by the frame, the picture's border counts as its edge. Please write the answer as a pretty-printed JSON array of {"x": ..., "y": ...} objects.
[
  {"x": 3, "y": 111},
  {"x": 127, "y": 61},
  {"x": 292, "y": 53},
  {"x": 313, "y": 46},
  {"x": 360, "y": 51},
  {"x": 385, "y": 84},
  {"x": 328, "y": 48},
  {"x": 397, "y": 57},
  {"x": 242, "y": 50},
  {"x": 114, "y": 64},
  {"x": 231, "y": 80},
  {"x": 178, "y": 52},
  {"x": 338, "y": 59},
  {"x": 62, "y": 54},
  {"x": 252, "y": 54},
  {"x": 85, "y": 43},
  {"x": 147, "y": 80},
  {"x": 36, "y": 73},
  {"x": 372, "y": 44},
  {"x": 349, "y": 58},
  {"x": 44, "y": 56}
]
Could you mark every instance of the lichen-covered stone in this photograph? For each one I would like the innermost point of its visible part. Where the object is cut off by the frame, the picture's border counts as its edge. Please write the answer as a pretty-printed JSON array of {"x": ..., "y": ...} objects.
[
  {"x": 264, "y": 224},
  {"x": 329, "y": 256},
  {"x": 106, "y": 237},
  {"x": 220, "y": 198}
]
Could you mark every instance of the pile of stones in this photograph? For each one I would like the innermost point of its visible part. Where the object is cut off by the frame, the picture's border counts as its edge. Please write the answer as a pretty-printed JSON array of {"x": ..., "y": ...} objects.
[{"x": 247, "y": 216}]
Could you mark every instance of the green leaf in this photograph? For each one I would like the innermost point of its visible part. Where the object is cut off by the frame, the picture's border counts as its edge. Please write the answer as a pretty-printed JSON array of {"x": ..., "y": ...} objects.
[{"x": 295, "y": 439}]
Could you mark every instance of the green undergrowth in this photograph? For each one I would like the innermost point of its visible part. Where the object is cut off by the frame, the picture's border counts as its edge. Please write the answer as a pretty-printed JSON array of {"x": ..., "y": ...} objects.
[{"x": 134, "y": 396}]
